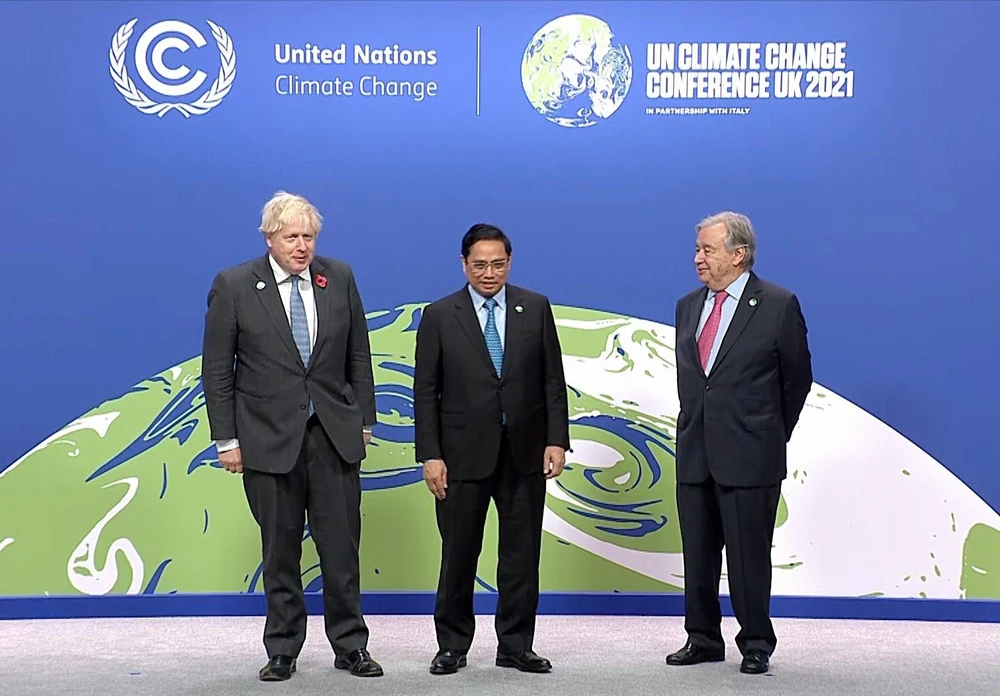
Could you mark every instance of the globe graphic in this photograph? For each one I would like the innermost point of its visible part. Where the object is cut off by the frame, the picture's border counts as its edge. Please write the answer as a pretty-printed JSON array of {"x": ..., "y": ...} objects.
[
  {"x": 573, "y": 73},
  {"x": 130, "y": 497}
]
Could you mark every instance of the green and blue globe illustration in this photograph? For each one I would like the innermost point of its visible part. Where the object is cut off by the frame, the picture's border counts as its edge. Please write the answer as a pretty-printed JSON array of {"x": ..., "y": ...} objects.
[
  {"x": 129, "y": 498},
  {"x": 573, "y": 72}
]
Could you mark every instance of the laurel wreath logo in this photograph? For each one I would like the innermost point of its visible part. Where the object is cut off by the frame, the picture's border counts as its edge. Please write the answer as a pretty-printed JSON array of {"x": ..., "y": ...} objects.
[{"x": 202, "y": 105}]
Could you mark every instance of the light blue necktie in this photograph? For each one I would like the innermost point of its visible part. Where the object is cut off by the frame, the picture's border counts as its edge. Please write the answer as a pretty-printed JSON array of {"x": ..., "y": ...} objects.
[
  {"x": 493, "y": 344},
  {"x": 300, "y": 327}
]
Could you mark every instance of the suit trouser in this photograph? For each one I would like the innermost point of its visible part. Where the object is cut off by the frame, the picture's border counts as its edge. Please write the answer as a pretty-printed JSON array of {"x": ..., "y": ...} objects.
[
  {"x": 741, "y": 519},
  {"x": 461, "y": 517},
  {"x": 329, "y": 489}
]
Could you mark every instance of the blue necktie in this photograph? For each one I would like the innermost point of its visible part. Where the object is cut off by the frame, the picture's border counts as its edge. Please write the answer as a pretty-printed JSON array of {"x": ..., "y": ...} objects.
[
  {"x": 300, "y": 327},
  {"x": 493, "y": 344}
]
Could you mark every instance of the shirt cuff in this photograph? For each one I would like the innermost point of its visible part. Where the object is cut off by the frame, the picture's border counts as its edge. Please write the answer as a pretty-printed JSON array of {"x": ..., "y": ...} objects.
[{"x": 226, "y": 445}]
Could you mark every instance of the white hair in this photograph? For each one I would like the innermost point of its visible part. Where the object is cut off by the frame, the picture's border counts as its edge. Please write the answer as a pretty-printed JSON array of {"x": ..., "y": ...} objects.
[{"x": 739, "y": 233}]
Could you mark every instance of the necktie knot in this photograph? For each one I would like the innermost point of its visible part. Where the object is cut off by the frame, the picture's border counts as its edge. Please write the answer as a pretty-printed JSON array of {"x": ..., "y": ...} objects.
[
  {"x": 491, "y": 304},
  {"x": 721, "y": 296}
]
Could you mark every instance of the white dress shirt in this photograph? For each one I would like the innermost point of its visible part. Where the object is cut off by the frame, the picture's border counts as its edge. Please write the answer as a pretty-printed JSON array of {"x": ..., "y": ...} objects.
[
  {"x": 305, "y": 290},
  {"x": 499, "y": 312},
  {"x": 734, "y": 293}
]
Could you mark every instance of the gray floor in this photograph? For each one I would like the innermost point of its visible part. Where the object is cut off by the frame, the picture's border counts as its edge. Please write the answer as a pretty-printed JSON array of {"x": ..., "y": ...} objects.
[{"x": 591, "y": 655}]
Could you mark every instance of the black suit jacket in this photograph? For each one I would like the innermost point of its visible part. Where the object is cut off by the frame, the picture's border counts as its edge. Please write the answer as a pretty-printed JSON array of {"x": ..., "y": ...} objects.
[
  {"x": 263, "y": 399},
  {"x": 459, "y": 401},
  {"x": 735, "y": 423}
]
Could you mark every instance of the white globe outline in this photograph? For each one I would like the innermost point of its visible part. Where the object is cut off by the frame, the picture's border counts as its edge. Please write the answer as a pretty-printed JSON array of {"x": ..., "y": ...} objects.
[{"x": 558, "y": 24}]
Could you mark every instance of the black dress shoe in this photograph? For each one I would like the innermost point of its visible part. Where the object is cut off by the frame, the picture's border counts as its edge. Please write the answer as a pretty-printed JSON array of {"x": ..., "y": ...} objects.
[
  {"x": 448, "y": 662},
  {"x": 526, "y": 661},
  {"x": 359, "y": 663},
  {"x": 278, "y": 668},
  {"x": 755, "y": 662},
  {"x": 692, "y": 654}
]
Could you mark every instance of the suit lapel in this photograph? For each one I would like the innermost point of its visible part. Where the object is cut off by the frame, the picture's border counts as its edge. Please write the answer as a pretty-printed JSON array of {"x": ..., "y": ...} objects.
[
  {"x": 691, "y": 329},
  {"x": 323, "y": 300},
  {"x": 269, "y": 297},
  {"x": 465, "y": 313},
  {"x": 744, "y": 310},
  {"x": 514, "y": 324}
]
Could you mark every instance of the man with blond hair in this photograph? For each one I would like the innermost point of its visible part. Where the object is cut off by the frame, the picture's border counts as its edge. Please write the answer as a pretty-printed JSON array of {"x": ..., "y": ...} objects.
[
  {"x": 290, "y": 395},
  {"x": 743, "y": 374}
]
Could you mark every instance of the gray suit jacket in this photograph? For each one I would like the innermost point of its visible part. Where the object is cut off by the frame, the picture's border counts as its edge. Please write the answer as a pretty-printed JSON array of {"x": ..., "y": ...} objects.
[{"x": 263, "y": 398}]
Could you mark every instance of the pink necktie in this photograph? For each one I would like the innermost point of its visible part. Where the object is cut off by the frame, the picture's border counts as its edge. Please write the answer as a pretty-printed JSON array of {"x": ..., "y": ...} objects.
[{"x": 711, "y": 328}]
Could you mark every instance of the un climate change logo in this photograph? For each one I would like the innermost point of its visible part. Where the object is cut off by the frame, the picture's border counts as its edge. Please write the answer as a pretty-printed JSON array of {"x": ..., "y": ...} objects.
[
  {"x": 573, "y": 73},
  {"x": 150, "y": 47}
]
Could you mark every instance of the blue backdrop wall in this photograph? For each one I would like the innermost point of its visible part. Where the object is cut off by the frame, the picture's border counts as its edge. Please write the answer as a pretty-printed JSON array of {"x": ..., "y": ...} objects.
[{"x": 596, "y": 135}]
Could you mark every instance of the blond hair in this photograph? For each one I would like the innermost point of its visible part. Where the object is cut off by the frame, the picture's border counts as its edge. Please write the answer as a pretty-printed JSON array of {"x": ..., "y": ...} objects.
[{"x": 284, "y": 208}]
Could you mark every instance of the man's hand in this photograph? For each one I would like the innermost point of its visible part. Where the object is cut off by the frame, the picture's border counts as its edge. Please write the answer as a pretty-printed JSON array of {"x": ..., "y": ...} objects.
[
  {"x": 368, "y": 437},
  {"x": 436, "y": 477},
  {"x": 554, "y": 461},
  {"x": 232, "y": 460}
]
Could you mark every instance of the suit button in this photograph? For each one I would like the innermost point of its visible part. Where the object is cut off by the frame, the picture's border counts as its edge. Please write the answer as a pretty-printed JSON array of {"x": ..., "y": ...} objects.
[
  {"x": 708, "y": 387},
  {"x": 302, "y": 407}
]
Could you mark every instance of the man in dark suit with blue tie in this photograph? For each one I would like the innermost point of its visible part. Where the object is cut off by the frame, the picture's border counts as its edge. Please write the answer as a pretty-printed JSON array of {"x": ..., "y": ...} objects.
[
  {"x": 287, "y": 373},
  {"x": 492, "y": 422},
  {"x": 743, "y": 374}
]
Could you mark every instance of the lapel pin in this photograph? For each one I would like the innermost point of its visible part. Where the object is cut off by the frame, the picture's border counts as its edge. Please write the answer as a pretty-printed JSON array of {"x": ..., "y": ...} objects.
[
  {"x": 518, "y": 309},
  {"x": 260, "y": 284},
  {"x": 753, "y": 301}
]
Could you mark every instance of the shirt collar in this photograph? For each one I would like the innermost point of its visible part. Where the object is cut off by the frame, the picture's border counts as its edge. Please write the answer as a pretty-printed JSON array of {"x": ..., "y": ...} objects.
[
  {"x": 478, "y": 300},
  {"x": 281, "y": 275},
  {"x": 735, "y": 289}
]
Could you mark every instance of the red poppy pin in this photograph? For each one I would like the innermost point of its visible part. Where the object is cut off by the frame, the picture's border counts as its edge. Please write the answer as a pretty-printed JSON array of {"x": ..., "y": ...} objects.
[{"x": 321, "y": 281}]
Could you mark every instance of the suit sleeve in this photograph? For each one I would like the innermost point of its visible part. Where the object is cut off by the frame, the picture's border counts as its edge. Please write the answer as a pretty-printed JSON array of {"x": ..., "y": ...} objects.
[
  {"x": 359, "y": 356},
  {"x": 677, "y": 348},
  {"x": 218, "y": 355},
  {"x": 427, "y": 389},
  {"x": 795, "y": 364},
  {"x": 556, "y": 403}
]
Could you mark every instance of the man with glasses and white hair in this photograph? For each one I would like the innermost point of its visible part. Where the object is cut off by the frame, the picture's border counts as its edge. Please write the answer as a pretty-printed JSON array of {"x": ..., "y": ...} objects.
[
  {"x": 287, "y": 374},
  {"x": 492, "y": 423},
  {"x": 743, "y": 373}
]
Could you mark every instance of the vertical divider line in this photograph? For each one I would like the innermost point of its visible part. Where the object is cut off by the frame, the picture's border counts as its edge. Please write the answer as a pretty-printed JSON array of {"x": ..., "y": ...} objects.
[{"x": 479, "y": 29}]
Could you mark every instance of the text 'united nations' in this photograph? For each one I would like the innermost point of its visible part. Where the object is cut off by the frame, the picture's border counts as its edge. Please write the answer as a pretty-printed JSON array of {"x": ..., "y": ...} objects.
[{"x": 364, "y": 54}]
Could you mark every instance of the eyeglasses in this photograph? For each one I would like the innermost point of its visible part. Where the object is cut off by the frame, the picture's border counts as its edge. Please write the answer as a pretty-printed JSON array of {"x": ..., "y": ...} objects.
[{"x": 479, "y": 267}]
